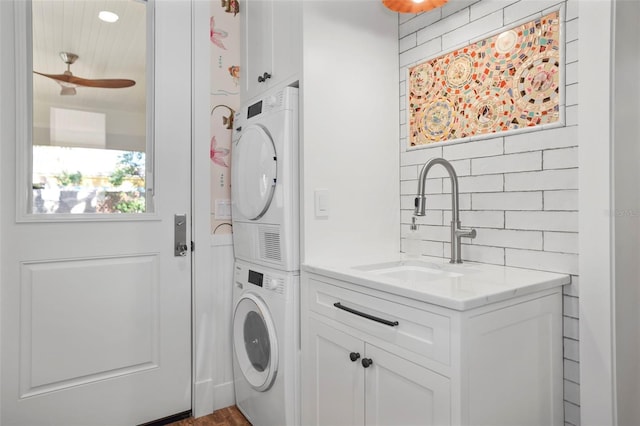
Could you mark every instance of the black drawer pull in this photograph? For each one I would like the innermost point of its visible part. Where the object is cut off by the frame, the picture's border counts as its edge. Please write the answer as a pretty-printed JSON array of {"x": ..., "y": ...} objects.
[{"x": 367, "y": 316}]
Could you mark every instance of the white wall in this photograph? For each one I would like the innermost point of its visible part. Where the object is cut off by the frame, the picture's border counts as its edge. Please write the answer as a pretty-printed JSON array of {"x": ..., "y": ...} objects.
[
  {"x": 626, "y": 210},
  {"x": 519, "y": 191},
  {"x": 596, "y": 393},
  {"x": 350, "y": 128}
]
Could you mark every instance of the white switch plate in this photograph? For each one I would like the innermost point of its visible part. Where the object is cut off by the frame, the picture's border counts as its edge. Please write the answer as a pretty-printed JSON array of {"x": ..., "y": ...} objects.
[
  {"x": 222, "y": 209},
  {"x": 322, "y": 202}
]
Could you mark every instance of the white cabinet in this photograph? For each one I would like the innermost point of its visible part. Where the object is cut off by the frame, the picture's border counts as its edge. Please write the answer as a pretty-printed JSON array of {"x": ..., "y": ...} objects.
[
  {"x": 499, "y": 364},
  {"x": 358, "y": 383},
  {"x": 271, "y": 45}
]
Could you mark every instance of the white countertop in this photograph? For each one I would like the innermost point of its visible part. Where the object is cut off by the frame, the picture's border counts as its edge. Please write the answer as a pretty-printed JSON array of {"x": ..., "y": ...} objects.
[{"x": 474, "y": 284}]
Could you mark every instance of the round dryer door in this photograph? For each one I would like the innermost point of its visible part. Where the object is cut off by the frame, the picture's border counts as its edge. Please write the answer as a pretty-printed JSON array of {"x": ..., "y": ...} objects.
[
  {"x": 254, "y": 342},
  {"x": 253, "y": 172}
]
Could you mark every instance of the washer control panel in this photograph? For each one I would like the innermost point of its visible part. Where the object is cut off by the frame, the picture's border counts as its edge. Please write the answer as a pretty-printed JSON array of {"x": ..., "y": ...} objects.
[{"x": 261, "y": 277}]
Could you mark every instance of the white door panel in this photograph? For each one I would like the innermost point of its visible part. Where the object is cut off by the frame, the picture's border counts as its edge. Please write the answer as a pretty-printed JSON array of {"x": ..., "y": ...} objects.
[{"x": 96, "y": 314}]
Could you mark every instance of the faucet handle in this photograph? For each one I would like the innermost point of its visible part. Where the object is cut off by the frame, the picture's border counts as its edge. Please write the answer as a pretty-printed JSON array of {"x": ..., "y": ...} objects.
[{"x": 466, "y": 232}]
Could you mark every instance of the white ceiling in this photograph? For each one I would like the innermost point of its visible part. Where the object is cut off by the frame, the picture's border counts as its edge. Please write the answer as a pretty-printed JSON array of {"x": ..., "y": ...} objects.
[{"x": 105, "y": 50}]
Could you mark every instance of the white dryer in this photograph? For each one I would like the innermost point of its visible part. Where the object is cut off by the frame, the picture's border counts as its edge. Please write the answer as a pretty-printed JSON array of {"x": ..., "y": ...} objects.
[
  {"x": 266, "y": 344},
  {"x": 265, "y": 181}
]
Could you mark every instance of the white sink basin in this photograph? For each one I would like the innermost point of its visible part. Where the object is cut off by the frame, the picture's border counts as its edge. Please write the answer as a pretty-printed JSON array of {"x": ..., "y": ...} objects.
[{"x": 410, "y": 270}]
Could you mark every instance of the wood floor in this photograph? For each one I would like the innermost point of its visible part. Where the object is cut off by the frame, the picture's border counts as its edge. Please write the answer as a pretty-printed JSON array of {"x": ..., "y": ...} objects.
[{"x": 229, "y": 416}]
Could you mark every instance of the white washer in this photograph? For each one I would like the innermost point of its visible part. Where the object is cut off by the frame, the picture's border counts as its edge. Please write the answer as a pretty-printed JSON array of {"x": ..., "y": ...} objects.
[
  {"x": 266, "y": 344},
  {"x": 264, "y": 181}
]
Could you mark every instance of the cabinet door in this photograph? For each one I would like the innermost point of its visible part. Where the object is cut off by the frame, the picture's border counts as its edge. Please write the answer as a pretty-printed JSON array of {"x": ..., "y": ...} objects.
[
  {"x": 333, "y": 385},
  {"x": 287, "y": 42},
  {"x": 257, "y": 29},
  {"x": 399, "y": 392}
]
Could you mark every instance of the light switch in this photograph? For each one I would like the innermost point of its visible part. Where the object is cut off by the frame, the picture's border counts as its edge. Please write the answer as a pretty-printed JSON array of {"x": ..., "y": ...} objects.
[
  {"x": 222, "y": 209},
  {"x": 322, "y": 202}
]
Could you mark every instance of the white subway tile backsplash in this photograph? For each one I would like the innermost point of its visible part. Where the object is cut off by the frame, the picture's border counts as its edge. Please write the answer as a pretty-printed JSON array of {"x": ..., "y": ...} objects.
[
  {"x": 543, "y": 180},
  {"x": 432, "y": 248},
  {"x": 420, "y": 156},
  {"x": 571, "y": 97},
  {"x": 507, "y": 163},
  {"x": 483, "y": 26},
  {"x": 570, "y": 307},
  {"x": 485, "y": 7},
  {"x": 431, "y": 217},
  {"x": 571, "y": 414},
  {"x": 571, "y": 392},
  {"x": 571, "y": 52},
  {"x": 562, "y": 242},
  {"x": 508, "y": 238},
  {"x": 542, "y": 220},
  {"x": 443, "y": 26},
  {"x": 571, "y": 115},
  {"x": 571, "y": 349},
  {"x": 435, "y": 233},
  {"x": 462, "y": 167},
  {"x": 475, "y": 184},
  {"x": 525, "y": 8},
  {"x": 421, "y": 52},
  {"x": 571, "y": 73},
  {"x": 572, "y": 9},
  {"x": 409, "y": 172},
  {"x": 507, "y": 201},
  {"x": 561, "y": 200},
  {"x": 560, "y": 158},
  {"x": 571, "y": 328},
  {"x": 419, "y": 21},
  {"x": 410, "y": 187},
  {"x": 571, "y": 30},
  {"x": 443, "y": 201},
  {"x": 543, "y": 261},
  {"x": 559, "y": 137},
  {"x": 573, "y": 288},
  {"x": 482, "y": 254},
  {"x": 452, "y": 7},
  {"x": 572, "y": 370},
  {"x": 408, "y": 42},
  {"x": 474, "y": 149},
  {"x": 477, "y": 219}
]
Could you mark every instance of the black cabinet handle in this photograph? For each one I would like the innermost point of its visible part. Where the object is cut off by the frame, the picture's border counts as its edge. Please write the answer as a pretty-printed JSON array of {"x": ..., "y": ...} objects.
[
  {"x": 354, "y": 356},
  {"x": 264, "y": 77},
  {"x": 366, "y": 362},
  {"x": 365, "y": 315}
]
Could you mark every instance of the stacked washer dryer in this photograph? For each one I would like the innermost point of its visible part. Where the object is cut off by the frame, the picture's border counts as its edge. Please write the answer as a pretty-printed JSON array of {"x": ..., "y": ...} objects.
[{"x": 265, "y": 212}]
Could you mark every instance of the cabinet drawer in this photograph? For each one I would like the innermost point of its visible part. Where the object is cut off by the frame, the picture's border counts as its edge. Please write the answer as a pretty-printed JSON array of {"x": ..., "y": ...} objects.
[{"x": 421, "y": 332}]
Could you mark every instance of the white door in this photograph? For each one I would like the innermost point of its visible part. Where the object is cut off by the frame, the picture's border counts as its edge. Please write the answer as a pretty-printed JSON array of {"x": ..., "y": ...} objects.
[
  {"x": 96, "y": 312},
  {"x": 399, "y": 392},
  {"x": 333, "y": 381}
]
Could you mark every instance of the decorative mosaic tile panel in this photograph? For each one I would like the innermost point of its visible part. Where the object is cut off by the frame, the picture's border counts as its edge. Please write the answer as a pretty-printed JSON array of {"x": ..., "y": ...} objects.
[{"x": 506, "y": 82}]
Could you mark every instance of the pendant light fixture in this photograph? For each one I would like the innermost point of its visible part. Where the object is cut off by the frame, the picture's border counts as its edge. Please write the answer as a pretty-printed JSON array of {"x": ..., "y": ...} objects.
[{"x": 412, "y": 6}]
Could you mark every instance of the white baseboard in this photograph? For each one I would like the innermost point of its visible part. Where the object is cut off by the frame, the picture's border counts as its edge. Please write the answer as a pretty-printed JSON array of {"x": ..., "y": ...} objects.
[
  {"x": 203, "y": 399},
  {"x": 223, "y": 395}
]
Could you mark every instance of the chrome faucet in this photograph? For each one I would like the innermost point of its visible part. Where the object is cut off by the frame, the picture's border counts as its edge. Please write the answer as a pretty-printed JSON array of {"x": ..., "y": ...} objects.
[{"x": 457, "y": 231}]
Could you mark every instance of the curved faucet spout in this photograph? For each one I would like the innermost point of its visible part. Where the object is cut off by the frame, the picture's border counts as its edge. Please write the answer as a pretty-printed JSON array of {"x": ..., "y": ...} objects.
[
  {"x": 457, "y": 232},
  {"x": 420, "y": 202}
]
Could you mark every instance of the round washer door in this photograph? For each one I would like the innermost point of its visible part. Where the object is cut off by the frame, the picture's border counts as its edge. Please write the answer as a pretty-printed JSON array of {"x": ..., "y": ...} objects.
[
  {"x": 254, "y": 342},
  {"x": 253, "y": 172}
]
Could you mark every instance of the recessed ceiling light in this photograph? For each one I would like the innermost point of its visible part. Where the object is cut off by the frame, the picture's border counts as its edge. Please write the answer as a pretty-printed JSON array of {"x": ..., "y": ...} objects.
[{"x": 107, "y": 16}]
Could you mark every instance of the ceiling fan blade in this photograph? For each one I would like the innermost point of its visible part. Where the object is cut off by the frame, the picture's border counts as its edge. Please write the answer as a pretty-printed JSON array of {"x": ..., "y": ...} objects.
[{"x": 109, "y": 83}]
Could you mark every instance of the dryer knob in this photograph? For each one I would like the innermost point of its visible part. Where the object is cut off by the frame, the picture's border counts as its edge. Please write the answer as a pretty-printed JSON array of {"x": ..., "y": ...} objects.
[
  {"x": 271, "y": 101},
  {"x": 271, "y": 284}
]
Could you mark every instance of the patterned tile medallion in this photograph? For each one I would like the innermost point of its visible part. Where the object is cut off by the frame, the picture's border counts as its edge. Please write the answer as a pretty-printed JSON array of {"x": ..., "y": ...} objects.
[{"x": 505, "y": 82}]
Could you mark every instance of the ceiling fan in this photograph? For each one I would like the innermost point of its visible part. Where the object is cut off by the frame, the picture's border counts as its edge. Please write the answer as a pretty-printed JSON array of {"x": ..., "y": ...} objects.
[{"x": 69, "y": 82}]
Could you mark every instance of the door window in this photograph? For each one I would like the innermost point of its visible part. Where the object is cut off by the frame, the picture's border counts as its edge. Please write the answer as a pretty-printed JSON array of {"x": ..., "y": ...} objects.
[{"x": 90, "y": 116}]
